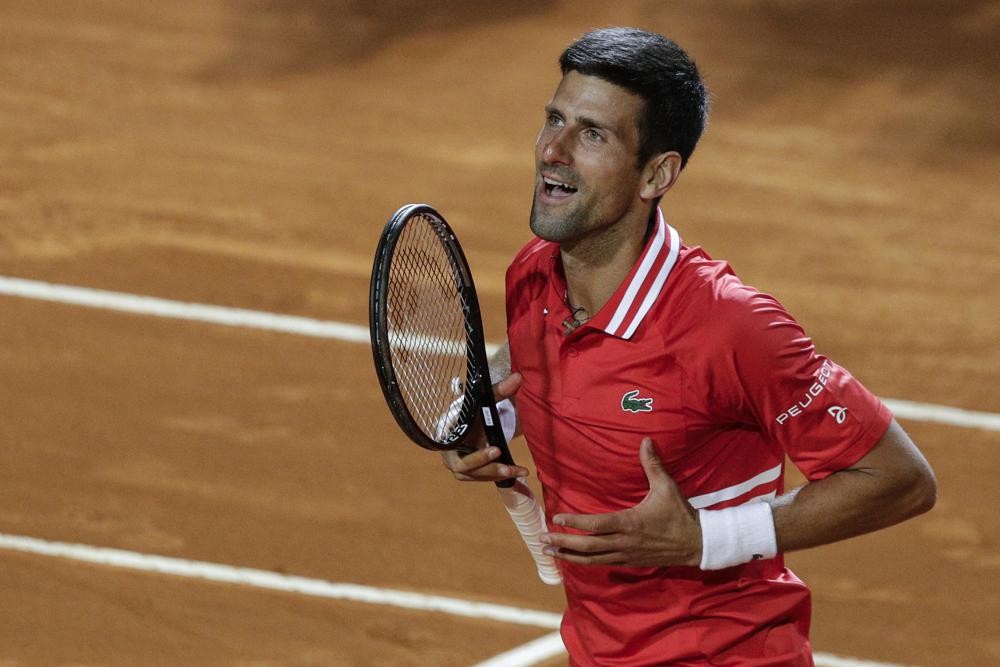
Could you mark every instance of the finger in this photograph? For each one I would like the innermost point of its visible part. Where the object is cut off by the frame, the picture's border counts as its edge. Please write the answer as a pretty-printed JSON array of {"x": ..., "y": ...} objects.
[
  {"x": 488, "y": 474},
  {"x": 656, "y": 472},
  {"x": 478, "y": 466},
  {"x": 651, "y": 463},
  {"x": 491, "y": 473},
  {"x": 606, "y": 558},
  {"x": 591, "y": 523},
  {"x": 583, "y": 544},
  {"x": 457, "y": 462},
  {"x": 507, "y": 387}
]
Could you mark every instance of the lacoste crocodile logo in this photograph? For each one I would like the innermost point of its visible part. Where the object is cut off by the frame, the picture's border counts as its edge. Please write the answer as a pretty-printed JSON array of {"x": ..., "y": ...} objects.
[{"x": 631, "y": 402}]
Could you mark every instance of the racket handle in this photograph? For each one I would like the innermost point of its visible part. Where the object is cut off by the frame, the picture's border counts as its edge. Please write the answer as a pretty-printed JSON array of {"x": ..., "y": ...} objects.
[{"x": 527, "y": 515}]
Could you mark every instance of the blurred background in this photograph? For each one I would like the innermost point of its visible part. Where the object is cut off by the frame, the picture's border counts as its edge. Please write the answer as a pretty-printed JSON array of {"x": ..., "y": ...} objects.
[{"x": 246, "y": 154}]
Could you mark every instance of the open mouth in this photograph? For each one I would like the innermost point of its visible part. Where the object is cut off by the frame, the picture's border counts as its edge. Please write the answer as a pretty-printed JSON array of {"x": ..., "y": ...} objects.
[{"x": 557, "y": 189}]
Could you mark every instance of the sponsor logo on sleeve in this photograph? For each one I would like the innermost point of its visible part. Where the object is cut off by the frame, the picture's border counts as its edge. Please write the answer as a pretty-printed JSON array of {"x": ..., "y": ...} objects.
[
  {"x": 817, "y": 388},
  {"x": 839, "y": 413}
]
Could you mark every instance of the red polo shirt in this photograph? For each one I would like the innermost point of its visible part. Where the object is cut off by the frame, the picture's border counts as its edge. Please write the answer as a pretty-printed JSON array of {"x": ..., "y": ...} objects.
[{"x": 727, "y": 384}]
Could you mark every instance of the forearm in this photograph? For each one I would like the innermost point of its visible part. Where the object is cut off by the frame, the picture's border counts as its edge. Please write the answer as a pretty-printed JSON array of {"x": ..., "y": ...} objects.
[{"x": 890, "y": 484}]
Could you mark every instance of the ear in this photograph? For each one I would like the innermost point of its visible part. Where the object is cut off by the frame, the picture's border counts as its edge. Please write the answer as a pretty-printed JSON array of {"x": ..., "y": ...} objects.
[{"x": 659, "y": 175}]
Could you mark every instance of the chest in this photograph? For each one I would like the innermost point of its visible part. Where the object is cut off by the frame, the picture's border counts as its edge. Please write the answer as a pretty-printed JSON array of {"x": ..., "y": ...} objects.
[{"x": 588, "y": 399}]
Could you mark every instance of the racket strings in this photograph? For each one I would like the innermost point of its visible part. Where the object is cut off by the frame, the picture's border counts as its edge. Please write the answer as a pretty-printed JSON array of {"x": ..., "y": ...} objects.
[{"x": 426, "y": 331}]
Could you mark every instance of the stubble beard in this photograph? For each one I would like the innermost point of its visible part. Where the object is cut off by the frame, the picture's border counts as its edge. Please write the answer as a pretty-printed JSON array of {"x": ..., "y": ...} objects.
[
  {"x": 557, "y": 227},
  {"x": 581, "y": 230}
]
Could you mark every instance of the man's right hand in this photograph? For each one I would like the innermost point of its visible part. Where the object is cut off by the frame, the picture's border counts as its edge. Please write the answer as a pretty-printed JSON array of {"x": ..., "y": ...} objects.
[{"x": 480, "y": 465}]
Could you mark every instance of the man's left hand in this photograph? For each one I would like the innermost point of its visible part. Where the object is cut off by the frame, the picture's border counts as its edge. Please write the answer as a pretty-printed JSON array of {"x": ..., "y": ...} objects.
[{"x": 661, "y": 530}]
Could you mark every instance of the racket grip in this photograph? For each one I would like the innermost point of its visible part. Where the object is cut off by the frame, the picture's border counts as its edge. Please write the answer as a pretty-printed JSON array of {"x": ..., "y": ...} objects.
[{"x": 527, "y": 515}]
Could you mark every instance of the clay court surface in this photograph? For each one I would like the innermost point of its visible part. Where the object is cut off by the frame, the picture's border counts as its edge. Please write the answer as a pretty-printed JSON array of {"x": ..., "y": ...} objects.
[{"x": 246, "y": 154}]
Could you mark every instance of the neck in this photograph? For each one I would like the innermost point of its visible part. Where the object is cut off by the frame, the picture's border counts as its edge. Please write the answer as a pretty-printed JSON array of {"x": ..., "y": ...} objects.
[{"x": 596, "y": 265}]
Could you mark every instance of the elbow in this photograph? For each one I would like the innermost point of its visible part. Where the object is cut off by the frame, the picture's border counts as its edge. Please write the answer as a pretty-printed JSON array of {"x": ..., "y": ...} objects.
[
  {"x": 916, "y": 487},
  {"x": 920, "y": 490},
  {"x": 927, "y": 493}
]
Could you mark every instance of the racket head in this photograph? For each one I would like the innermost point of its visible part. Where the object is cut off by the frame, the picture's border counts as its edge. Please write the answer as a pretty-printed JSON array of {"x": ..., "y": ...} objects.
[{"x": 426, "y": 330}]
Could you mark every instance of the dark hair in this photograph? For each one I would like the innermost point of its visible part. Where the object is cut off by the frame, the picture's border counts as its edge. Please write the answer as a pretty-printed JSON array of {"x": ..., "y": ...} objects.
[{"x": 658, "y": 71}]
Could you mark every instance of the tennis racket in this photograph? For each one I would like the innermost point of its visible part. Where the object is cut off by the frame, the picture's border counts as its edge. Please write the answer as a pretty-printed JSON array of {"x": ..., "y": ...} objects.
[{"x": 430, "y": 354}]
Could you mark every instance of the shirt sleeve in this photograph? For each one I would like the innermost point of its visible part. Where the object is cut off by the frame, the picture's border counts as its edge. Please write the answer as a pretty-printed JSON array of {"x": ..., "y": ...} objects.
[{"x": 823, "y": 418}]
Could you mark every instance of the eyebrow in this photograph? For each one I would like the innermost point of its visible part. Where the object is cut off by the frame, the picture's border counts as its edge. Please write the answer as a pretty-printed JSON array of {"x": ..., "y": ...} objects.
[{"x": 583, "y": 120}]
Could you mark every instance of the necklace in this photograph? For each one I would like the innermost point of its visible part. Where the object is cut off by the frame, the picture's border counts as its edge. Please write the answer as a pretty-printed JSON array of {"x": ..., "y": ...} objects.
[{"x": 573, "y": 322}]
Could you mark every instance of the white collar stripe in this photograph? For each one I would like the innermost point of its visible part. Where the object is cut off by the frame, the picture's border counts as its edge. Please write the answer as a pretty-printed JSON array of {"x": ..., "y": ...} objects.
[
  {"x": 736, "y": 490},
  {"x": 657, "y": 286},
  {"x": 638, "y": 279}
]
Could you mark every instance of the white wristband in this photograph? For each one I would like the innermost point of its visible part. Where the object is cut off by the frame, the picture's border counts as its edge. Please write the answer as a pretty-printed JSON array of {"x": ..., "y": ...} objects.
[
  {"x": 737, "y": 535},
  {"x": 508, "y": 418}
]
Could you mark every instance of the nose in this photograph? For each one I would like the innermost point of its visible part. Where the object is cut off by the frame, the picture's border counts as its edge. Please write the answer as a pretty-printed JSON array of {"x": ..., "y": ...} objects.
[{"x": 554, "y": 149}]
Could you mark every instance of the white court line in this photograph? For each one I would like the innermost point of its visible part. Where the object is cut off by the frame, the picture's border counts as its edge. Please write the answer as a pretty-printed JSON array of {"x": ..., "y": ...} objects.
[
  {"x": 526, "y": 655},
  {"x": 536, "y": 651},
  {"x": 543, "y": 648},
  {"x": 229, "y": 574},
  {"x": 180, "y": 310},
  {"x": 943, "y": 414},
  {"x": 353, "y": 333},
  {"x": 830, "y": 660},
  {"x": 183, "y": 310}
]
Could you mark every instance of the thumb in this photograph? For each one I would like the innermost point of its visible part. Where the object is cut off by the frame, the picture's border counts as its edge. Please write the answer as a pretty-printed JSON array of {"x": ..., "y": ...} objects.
[
  {"x": 507, "y": 387},
  {"x": 656, "y": 474}
]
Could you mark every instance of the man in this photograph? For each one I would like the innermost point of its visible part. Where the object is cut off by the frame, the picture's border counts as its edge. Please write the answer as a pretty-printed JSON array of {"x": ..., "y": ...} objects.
[{"x": 659, "y": 395}]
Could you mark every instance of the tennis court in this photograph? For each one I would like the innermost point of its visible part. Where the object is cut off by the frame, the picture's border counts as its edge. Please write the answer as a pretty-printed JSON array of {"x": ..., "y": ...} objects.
[{"x": 224, "y": 484}]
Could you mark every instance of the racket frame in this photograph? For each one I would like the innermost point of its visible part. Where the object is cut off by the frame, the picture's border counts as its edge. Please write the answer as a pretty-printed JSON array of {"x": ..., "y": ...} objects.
[
  {"x": 518, "y": 499},
  {"x": 478, "y": 392}
]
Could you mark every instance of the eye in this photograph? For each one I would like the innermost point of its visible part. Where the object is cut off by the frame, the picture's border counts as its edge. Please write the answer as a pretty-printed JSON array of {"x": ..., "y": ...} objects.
[
  {"x": 593, "y": 134},
  {"x": 553, "y": 119}
]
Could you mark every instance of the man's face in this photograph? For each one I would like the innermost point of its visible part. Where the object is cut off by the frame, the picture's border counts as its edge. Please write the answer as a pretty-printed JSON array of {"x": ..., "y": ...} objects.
[{"x": 587, "y": 177}]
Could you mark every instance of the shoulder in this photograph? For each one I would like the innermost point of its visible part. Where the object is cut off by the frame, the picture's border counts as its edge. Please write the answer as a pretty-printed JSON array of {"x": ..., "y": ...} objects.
[
  {"x": 709, "y": 285},
  {"x": 529, "y": 269},
  {"x": 528, "y": 274},
  {"x": 531, "y": 254},
  {"x": 710, "y": 295}
]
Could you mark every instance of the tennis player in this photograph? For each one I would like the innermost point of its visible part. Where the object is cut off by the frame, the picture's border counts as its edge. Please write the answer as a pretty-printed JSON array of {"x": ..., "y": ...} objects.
[{"x": 659, "y": 395}]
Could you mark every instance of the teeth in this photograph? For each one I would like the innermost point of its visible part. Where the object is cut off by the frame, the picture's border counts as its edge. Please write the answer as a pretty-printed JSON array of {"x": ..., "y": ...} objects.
[{"x": 556, "y": 184}]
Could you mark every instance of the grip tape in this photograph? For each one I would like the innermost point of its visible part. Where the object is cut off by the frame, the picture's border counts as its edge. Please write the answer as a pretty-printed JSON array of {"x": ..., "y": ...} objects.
[{"x": 527, "y": 515}]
